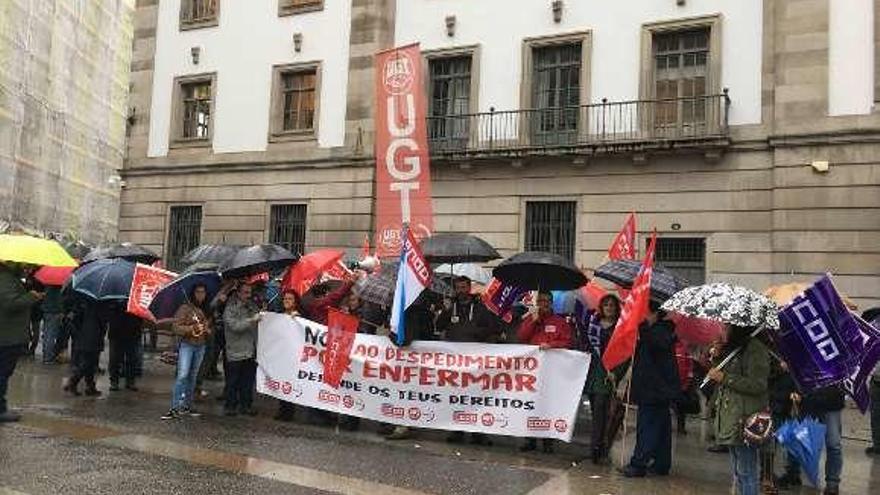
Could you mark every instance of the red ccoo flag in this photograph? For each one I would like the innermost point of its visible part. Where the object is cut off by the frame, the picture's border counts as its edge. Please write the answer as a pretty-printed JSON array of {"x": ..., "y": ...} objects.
[
  {"x": 623, "y": 341},
  {"x": 341, "y": 329},
  {"x": 624, "y": 245}
]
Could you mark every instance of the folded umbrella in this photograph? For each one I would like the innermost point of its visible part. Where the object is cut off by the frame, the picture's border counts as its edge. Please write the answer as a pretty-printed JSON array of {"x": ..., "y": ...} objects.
[
  {"x": 457, "y": 248},
  {"x": 257, "y": 259},
  {"x": 378, "y": 288},
  {"x": 33, "y": 251},
  {"x": 804, "y": 441},
  {"x": 535, "y": 270},
  {"x": 725, "y": 303},
  {"x": 104, "y": 280},
  {"x": 301, "y": 276},
  {"x": 664, "y": 283},
  {"x": 215, "y": 254},
  {"x": 170, "y": 297},
  {"x": 126, "y": 251},
  {"x": 472, "y": 271},
  {"x": 55, "y": 276}
]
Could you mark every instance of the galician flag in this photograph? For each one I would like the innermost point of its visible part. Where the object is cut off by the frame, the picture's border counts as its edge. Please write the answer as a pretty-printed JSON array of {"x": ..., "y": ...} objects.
[{"x": 413, "y": 276}]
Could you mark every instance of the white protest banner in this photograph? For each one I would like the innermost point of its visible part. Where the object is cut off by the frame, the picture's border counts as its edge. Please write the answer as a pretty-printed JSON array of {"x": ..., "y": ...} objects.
[{"x": 514, "y": 390}]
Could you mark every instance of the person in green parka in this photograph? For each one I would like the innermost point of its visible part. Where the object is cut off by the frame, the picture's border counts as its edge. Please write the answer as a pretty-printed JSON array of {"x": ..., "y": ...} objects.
[
  {"x": 15, "y": 310},
  {"x": 742, "y": 391}
]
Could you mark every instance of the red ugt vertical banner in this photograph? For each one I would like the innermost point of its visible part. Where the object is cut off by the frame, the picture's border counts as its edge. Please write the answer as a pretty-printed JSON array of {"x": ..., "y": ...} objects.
[
  {"x": 341, "y": 329},
  {"x": 623, "y": 341},
  {"x": 403, "y": 175}
]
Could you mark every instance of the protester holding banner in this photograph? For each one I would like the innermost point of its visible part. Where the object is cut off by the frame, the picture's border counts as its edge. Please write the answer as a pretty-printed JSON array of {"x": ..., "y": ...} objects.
[
  {"x": 325, "y": 298},
  {"x": 655, "y": 386},
  {"x": 124, "y": 331},
  {"x": 548, "y": 331},
  {"x": 289, "y": 307},
  {"x": 872, "y": 316},
  {"x": 600, "y": 383},
  {"x": 192, "y": 326},
  {"x": 742, "y": 391},
  {"x": 240, "y": 320},
  {"x": 467, "y": 320}
]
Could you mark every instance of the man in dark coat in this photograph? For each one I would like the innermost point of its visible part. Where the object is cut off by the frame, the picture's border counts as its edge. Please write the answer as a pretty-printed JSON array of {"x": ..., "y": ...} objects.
[
  {"x": 124, "y": 332},
  {"x": 15, "y": 306},
  {"x": 655, "y": 385},
  {"x": 468, "y": 320},
  {"x": 88, "y": 342}
]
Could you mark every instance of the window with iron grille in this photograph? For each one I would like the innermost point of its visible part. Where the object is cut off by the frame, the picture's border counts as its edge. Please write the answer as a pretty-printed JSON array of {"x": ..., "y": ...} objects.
[
  {"x": 450, "y": 101},
  {"x": 681, "y": 62},
  {"x": 198, "y": 12},
  {"x": 684, "y": 256},
  {"x": 287, "y": 227},
  {"x": 551, "y": 227},
  {"x": 196, "y": 107},
  {"x": 289, "y": 7},
  {"x": 556, "y": 89},
  {"x": 298, "y": 96},
  {"x": 184, "y": 233}
]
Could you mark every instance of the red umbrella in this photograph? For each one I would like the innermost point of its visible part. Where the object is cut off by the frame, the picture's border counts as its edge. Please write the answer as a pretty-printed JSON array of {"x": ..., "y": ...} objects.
[
  {"x": 301, "y": 276},
  {"x": 54, "y": 275},
  {"x": 696, "y": 331}
]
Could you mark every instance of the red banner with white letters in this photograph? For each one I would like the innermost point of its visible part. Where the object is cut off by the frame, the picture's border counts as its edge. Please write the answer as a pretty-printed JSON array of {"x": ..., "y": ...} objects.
[
  {"x": 145, "y": 283},
  {"x": 403, "y": 175},
  {"x": 624, "y": 245},
  {"x": 341, "y": 329}
]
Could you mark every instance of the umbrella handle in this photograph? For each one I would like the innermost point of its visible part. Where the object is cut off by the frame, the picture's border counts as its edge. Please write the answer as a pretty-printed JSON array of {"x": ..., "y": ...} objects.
[{"x": 730, "y": 356}]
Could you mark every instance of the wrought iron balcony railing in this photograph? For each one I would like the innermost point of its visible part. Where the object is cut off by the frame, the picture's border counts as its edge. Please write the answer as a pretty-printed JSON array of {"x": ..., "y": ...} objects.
[{"x": 607, "y": 127}]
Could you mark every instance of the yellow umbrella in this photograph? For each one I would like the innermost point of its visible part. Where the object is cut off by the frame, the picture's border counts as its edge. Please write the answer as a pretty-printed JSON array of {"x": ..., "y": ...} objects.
[
  {"x": 33, "y": 251},
  {"x": 785, "y": 293}
]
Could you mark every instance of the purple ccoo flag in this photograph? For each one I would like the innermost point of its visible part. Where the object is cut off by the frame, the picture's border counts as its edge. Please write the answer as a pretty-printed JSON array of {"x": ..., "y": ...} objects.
[
  {"x": 856, "y": 386},
  {"x": 819, "y": 337}
]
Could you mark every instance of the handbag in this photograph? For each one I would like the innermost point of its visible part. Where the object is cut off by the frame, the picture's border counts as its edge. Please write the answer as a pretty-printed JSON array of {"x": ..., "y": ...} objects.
[{"x": 758, "y": 428}]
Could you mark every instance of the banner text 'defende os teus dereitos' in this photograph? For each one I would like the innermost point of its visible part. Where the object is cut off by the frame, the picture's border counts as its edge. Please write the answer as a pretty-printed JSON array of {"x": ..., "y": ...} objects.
[{"x": 514, "y": 390}]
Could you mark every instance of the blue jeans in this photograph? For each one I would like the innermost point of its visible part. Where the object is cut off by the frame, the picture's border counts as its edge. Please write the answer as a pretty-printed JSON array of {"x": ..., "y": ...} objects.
[
  {"x": 189, "y": 358},
  {"x": 51, "y": 331},
  {"x": 744, "y": 463},
  {"x": 653, "y": 438},
  {"x": 833, "y": 450}
]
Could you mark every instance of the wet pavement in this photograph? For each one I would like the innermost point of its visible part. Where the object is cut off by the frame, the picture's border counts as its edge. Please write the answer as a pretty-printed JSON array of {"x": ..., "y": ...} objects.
[{"x": 117, "y": 444}]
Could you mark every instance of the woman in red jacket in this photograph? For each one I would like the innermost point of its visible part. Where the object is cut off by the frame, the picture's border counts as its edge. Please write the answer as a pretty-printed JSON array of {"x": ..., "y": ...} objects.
[{"x": 548, "y": 331}]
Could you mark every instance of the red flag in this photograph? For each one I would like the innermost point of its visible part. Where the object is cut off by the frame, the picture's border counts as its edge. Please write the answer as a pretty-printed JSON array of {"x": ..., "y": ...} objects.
[
  {"x": 624, "y": 245},
  {"x": 341, "y": 329},
  {"x": 623, "y": 342},
  {"x": 365, "y": 250},
  {"x": 145, "y": 283},
  {"x": 403, "y": 175}
]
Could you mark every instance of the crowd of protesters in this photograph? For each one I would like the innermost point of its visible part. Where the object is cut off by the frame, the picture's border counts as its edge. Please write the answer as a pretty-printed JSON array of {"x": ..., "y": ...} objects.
[{"x": 662, "y": 376}]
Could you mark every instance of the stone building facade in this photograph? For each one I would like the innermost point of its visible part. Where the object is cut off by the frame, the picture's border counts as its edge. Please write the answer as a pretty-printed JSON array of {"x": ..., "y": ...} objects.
[
  {"x": 744, "y": 131},
  {"x": 64, "y": 69}
]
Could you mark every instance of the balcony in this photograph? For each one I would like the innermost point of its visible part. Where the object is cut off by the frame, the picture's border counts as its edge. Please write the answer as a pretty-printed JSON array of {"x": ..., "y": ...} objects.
[{"x": 638, "y": 127}]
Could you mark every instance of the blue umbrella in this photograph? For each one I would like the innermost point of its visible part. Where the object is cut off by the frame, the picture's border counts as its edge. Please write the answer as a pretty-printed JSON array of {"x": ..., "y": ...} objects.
[
  {"x": 175, "y": 293},
  {"x": 104, "y": 280},
  {"x": 804, "y": 441}
]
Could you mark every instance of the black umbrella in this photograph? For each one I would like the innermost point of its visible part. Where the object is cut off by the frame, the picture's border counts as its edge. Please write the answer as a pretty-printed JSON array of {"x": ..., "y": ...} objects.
[
  {"x": 458, "y": 248},
  {"x": 104, "y": 280},
  {"x": 214, "y": 254},
  {"x": 77, "y": 249},
  {"x": 664, "y": 283},
  {"x": 257, "y": 259},
  {"x": 378, "y": 288},
  {"x": 126, "y": 251},
  {"x": 535, "y": 270}
]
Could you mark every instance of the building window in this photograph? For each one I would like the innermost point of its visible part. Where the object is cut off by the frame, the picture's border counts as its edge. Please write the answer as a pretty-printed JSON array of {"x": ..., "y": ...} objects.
[
  {"x": 450, "y": 101},
  {"x": 193, "y": 123},
  {"x": 184, "y": 233},
  {"x": 681, "y": 61},
  {"x": 551, "y": 227},
  {"x": 295, "y": 101},
  {"x": 291, "y": 7},
  {"x": 684, "y": 256},
  {"x": 198, "y": 13},
  {"x": 287, "y": 227}
]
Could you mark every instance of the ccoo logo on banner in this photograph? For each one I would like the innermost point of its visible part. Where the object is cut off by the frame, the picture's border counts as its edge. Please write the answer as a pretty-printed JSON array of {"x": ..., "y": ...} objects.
[
  {"x": 514, "y": 390},
  {"x": 403, "y": 176}
]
